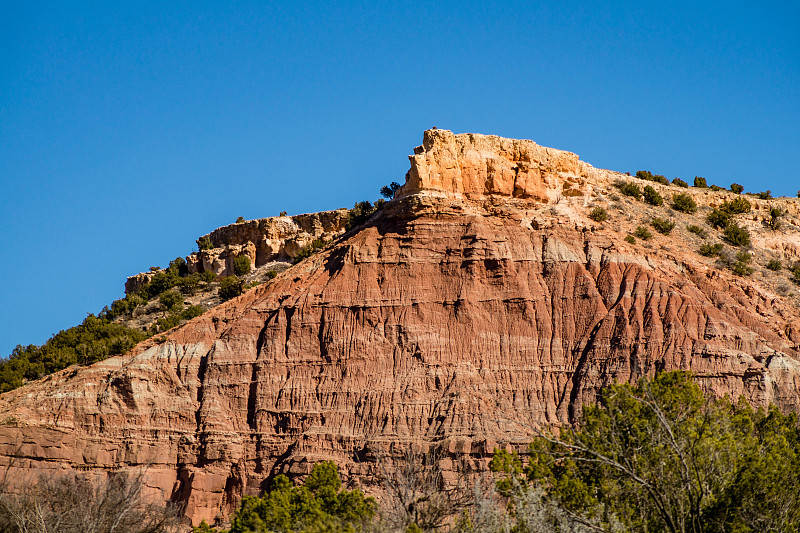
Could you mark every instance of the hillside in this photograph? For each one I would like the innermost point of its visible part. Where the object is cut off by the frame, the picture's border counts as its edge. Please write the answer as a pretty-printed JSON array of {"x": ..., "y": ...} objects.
[{"x": 488, "y": 298}]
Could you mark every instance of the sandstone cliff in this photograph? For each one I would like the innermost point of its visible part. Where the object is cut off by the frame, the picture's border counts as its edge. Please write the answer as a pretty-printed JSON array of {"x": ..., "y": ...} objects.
[
  {"x": 264, "y": 240},
  {"x": 482, "y": 302}
]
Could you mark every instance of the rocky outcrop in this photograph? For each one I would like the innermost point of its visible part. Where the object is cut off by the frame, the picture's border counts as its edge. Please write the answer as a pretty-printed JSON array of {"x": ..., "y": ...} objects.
[
  {"x": 457, "y": 317},
  {"x": 264, "y": 240}
]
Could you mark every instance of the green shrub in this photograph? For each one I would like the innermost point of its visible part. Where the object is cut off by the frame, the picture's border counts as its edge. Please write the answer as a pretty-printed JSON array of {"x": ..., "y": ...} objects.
[
  {"x": 744, "y": 257},
  {"x": 661, "y": 455},
  {"x": 662, "y": 225},
  {"x": 388, "y": 191},
  {"x": 795, "y": 272},
  {"x": 700, "y": 182},
  {"x": 320, "y": 502},
  {"x": 272, "y": 274},
  {"x": 652, "y": 197},
  {"x": 684, "y": 203},
  {"x": 630, "y": 239},
  {"x": 718, "y": 219},
  {"x": 360, "y": 213},
  {"x": 166, "y": 323},
  {"x": 658, "y": 178},
  {"x": 190, "y": 284},
  {"x": 172, "y": 301},
  {"x": 239, "y": 220},
  {"x": 774, "y": 222},
  {"x": 774, "y": 265},
  {"x": 310, "y": 249},
  {"x": 191, "y": 312},
  {"x": 765, "y": 195},
  {"x": 630, "y": 189},
  {"x": 680, "y": 183},
  {"x": 741, "y": 269},
  {"x": 598, "y": 214},
  {"x": 736, "y": 235},
  {"x": 697, "y": 230},
  {"x": 643, "y": 233},
  {"x": 204, "y": 243},
  {"x": 735, "y": 187},
  {"x": 241, "y": 265},
  {"x": 230, "y": 287},
  {"x": 644, "y": 175},
  {"x": 716, "y": 188},
  {"x": 736, "y": 206},
  {"x": 207, "y": 276},
  {"x": 710, "y": 250},
  {"x": 95, "y": 339}
]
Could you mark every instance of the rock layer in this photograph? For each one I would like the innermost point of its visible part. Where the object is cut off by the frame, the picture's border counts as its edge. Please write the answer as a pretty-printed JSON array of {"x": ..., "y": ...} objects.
[{"x": 458, "y": 317}]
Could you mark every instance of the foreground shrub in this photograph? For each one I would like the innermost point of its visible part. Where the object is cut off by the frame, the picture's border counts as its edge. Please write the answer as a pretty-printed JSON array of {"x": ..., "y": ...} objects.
[
  {"x": 660, "y": 456},
  {"x": 320, "y": 503},
  {"x": 736, "y": 235},
  {"x": 684, "y": 203},
  {"x": 230, "y": 287},
  {"x": 652, "y": 197},
  {"x": 67, "y": 504},
  {"x": 662, "y": 225},
  {"x": 598, "y": 214}
]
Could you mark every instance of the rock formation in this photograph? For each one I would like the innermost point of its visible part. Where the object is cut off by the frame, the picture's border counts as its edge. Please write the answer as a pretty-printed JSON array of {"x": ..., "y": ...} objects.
[
  {"x": 481, "y": 303},
  {"x": 264, "y": 240}
]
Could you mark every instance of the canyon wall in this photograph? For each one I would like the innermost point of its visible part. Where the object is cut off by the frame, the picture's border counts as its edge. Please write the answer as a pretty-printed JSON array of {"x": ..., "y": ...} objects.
[{"x": 478, "y": 305}]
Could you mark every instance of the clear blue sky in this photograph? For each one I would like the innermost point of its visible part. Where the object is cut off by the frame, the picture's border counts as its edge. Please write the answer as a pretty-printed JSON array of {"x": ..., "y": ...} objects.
[{"x": 129, "y": 129}]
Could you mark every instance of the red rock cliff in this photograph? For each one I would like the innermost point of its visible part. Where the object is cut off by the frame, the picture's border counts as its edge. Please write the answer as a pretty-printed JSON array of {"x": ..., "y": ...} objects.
[{"x": 480, "y": 303}]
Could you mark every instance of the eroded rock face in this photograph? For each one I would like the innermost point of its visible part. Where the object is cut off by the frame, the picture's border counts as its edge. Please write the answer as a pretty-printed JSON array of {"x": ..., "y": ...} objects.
[
  {"x": 263, "y": 240},
  {"x": 447, "y": 320}
]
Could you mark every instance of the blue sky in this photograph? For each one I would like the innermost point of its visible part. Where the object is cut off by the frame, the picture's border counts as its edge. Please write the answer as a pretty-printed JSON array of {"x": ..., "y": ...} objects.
[{"x": 130, "y": 129}]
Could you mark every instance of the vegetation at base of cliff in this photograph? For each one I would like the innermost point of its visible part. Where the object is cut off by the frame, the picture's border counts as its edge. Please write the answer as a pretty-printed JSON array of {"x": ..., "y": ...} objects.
[
  {"x": 93, "y": 340},
  {"x": 318, "y": 505},
  {"x": 662, "y": 457},
  {"x": 67, "y": 504}
]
